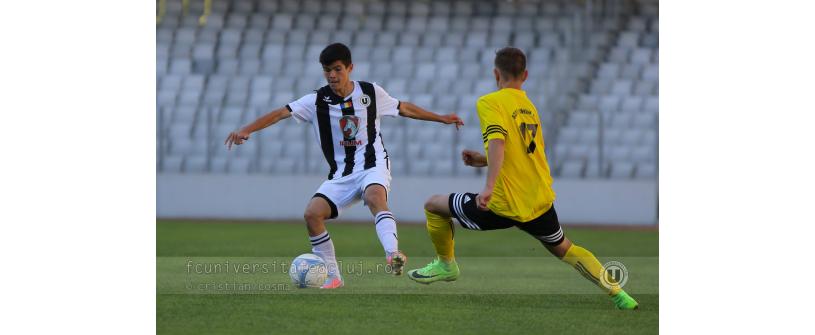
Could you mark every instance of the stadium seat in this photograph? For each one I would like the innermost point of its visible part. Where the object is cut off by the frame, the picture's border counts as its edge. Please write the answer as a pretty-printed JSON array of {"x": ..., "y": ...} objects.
[
  {"x": 238, "y": 165},
  {"x": 620, "y": 121},
  {"x": 629, "y": 39},
  {"x": 612, "y": 136},
  {"x": 645, "y": 121},
  {"x": 621, "y": 169},
  {"x": 618, "y": 55},
  {"x": 643, "y": 153},
  {"x": 609, "y": 70},
  {"x": 195, "y": 164},
  {"x": 641, "y": 56},
  {"x": 180, "y": 66},
  {"x": 499, "y": 39},
  {"x": 570, "y": 134},
  {"x": 651, "y": 105},
  {"x": 572, "y": 169},
  {"x": 609, "y": 103},
  {"x": 590, "y": 135},
  {"x": 583, "y": 119},
  {"x": 622, "y": 87},
  {"x": 632, "y": 104},
  {"x": 646, "y": 171},
  {"x": 587, "y": 102},
  {"x": 631, "y": 137},
  {"x": 172, "y": 163},
  {"x": 630, "y": 72},
  {"x": 650, "y": 40},
  {"x": 618, "y": 153},
  {"x": 637, "y": 23},
  {"x": 456, "y": 39},
  {"x": 650, "y": 73},
  {"x": 437, "y": 53}
]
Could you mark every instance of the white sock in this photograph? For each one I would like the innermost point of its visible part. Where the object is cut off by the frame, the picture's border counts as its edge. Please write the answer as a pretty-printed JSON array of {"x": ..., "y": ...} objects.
[
  {"x": 386, "y": 230},
  {"x": 321, "y": 245}
]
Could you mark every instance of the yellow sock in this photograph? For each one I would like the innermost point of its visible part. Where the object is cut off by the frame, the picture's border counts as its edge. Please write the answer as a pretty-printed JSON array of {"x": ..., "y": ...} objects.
[
  {"x": 584, "y": 262},
  {"x": 441, "y": 233}
]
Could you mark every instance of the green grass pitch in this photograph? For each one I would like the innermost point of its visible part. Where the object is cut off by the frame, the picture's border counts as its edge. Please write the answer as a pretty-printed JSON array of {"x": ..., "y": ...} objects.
[{"x": 508, "y": 284}]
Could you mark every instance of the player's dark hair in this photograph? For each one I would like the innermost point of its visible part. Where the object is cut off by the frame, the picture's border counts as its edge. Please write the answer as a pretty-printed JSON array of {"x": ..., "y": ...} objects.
[
  {"x": 335, "y": 52},
  {"x": 510, "y": 61}
]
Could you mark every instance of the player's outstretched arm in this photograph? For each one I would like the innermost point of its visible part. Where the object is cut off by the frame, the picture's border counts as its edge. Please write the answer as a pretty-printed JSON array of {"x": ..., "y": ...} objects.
[
  {"x": 412, "y": 111},
  {"x": 473, "y": 158},
  {"x": 495, "y": 161},
  {"x": 241, "y": 135}
]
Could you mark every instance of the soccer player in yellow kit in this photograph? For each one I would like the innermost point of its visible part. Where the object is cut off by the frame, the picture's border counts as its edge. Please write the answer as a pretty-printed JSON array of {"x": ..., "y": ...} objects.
[{"x": 518, "y": 191}]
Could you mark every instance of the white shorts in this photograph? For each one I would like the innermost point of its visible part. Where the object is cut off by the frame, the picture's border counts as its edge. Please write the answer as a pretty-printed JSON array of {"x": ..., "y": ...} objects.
[{"x": 344, "y": 192}]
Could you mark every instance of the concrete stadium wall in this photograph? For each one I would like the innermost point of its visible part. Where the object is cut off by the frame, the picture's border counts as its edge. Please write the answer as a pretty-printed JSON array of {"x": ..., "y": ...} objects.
[{"x": 270, "y": 197}]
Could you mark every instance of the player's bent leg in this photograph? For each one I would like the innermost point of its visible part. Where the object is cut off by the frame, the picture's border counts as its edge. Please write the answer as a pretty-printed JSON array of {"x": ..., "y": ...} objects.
[
  {"x": 441, "y": 231},
  {"x": 440, "y": 226},
  {"x": 376, "y": 198},
  {"x": 589, "y": 267},
  {"x": 547, "y": 230},
  {"x": 319, "y": 209}
]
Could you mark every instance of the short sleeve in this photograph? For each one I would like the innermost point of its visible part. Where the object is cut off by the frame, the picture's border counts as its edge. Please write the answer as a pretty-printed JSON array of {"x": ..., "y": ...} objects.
[
  {"x": 385, "y": 104},
  {"x": 492, "y": 123},
  {"x": 304, "y": 109}
]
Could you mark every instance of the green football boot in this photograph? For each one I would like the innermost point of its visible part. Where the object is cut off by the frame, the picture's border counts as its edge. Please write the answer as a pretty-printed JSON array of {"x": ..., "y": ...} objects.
[
  {"x": 435, "y": 271},
  {"x": 624, "y": 301}
]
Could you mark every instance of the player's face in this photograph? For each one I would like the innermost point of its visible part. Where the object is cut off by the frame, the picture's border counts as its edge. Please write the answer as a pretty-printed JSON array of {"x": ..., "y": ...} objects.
[{"x": 337, "y": 74}]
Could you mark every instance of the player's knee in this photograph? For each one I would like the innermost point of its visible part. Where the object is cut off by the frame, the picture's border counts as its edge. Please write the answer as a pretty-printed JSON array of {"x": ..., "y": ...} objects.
[
  {"x": 375, "y": 191},
  {"x": 312, "y": 216},
  {"x": 433, "y": 204}
]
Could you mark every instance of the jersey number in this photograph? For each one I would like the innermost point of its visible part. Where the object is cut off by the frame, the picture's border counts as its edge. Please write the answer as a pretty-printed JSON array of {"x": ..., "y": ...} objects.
[{"x": 532, "y": 128}]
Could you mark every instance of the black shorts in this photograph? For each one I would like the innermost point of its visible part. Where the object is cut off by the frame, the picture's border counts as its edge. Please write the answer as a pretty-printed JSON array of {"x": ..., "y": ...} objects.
[{"x": 545, "y": 228}]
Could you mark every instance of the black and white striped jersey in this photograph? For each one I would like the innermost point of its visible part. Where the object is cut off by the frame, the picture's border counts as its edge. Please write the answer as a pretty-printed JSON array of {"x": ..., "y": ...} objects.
[{"x": 347, "y": 128}]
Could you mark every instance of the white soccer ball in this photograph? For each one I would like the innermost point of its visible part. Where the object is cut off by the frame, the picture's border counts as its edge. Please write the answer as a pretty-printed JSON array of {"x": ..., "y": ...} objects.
[{"x": 308, "y": 270}]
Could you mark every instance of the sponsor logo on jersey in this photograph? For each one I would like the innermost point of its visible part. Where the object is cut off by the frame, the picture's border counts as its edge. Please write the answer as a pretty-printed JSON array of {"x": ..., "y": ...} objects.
[
  {"x": 349, "y": 124},
  {"x": 351, "y": 143}
]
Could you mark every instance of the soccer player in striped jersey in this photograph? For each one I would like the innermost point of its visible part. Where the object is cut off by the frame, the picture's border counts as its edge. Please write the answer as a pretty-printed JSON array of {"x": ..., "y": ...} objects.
[
  {"x": 345, "y": 116},
  {"x": 518, "y": 191}
]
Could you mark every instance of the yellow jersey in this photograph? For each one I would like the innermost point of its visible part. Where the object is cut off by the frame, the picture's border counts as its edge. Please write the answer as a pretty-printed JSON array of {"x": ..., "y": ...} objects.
[{"x": 523, "y": 189}]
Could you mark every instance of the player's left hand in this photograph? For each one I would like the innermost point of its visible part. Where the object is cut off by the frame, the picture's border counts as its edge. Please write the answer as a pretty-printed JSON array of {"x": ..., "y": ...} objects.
[
  {"x": 453, "y": 118},
  {"x": 236, "y": 137},
  {"x": 483, "y": 199}
]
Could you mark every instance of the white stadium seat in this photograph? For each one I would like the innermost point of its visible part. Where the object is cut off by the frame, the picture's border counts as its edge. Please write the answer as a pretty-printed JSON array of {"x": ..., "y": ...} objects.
[{"x": 253, "y": 56}]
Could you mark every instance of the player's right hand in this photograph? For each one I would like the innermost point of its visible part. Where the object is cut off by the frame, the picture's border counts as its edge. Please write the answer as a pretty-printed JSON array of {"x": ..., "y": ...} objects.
[
  {"x": 472, "y": 158},
  {"x": 237, "y": 138}
]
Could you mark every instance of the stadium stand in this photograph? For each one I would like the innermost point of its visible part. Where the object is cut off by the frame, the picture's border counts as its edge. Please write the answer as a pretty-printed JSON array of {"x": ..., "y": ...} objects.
[{"x": 594, "y": 76}]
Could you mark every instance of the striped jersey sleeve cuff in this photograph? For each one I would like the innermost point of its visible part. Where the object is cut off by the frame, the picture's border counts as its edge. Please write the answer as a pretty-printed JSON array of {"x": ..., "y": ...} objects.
[{"x": 494, "y": 131}]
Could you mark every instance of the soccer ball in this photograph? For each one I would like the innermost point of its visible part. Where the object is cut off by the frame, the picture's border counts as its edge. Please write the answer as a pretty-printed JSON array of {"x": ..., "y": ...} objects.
[{"x": 308, "y": 270}]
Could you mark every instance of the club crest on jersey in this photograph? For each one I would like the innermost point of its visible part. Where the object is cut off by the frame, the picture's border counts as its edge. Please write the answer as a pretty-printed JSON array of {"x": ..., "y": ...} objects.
[
  {"x": 365, "y": 100},
  {"x": 349, "y": 125}
]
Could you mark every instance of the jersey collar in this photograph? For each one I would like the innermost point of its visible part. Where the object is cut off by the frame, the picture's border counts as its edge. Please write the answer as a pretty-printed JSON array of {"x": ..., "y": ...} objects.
[{"x": 336, "y": 99}]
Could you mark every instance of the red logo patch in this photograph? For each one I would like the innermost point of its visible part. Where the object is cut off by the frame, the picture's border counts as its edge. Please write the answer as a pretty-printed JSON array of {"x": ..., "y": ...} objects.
[{"x": 349, "y": 125}]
